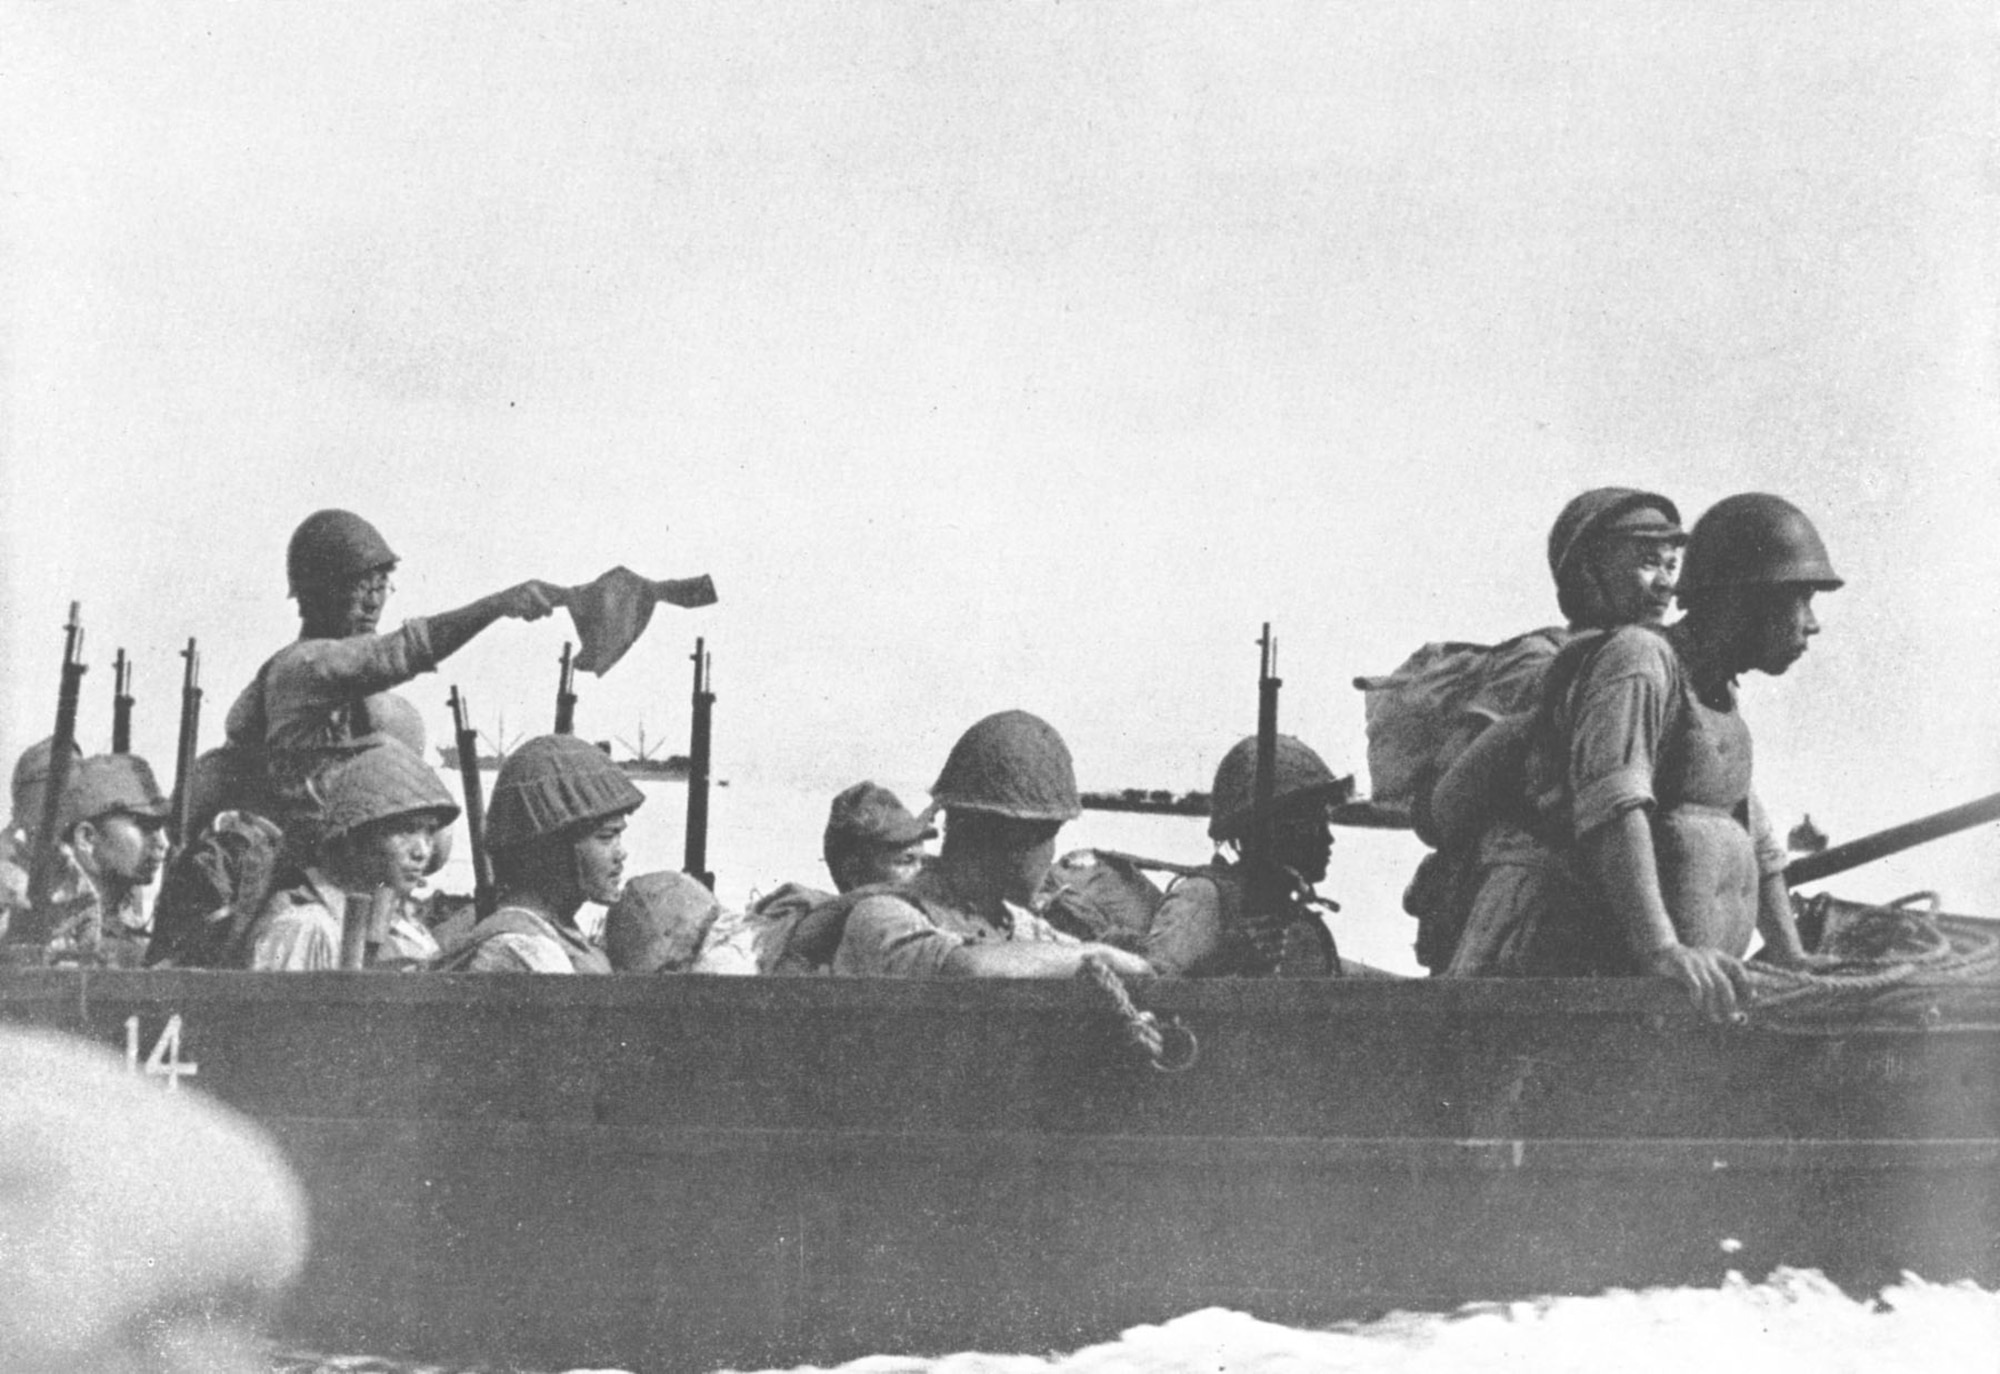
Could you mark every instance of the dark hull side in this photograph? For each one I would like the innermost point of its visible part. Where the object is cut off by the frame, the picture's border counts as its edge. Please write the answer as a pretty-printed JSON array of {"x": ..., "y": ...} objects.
[{"x": 697, "y": 1172}]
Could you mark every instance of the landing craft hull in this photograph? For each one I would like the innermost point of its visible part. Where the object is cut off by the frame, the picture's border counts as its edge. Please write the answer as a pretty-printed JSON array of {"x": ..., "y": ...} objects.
[{"x": 691, "y": 1173}]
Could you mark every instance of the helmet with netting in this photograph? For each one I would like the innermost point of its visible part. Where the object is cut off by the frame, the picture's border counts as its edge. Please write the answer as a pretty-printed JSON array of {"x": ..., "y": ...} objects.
[
  {"x": 1010, "y": 764},
  {"x": 553, "y": 784}
]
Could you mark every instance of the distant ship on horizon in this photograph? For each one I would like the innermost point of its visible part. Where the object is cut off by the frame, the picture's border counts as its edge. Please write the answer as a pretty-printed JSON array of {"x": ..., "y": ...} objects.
[
  {"x": 1156, "y": 801},
  {"x": 639, "y": 761},
  {"x": 493, "y": 752},
  {"x": 488, "y": 763}
]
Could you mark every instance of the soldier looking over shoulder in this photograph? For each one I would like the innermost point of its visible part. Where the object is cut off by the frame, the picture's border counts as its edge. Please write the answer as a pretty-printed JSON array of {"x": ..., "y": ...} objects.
[{"x": 1615, "y": 555}]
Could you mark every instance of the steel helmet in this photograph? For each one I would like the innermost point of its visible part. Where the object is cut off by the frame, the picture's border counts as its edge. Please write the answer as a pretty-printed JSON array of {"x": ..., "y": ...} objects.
[
  {"x": 1010, "y": 764},
  {"x": 1301, "y": 775},
  {"x": 391, "y": 713},
  {"x": 551, "y": 784},
  {"x": 331, "y": 546},
  {"x": 1755, "y": 539},
  {"x": 1593, "y": 512},
  {"x": 386, "y": 779}
]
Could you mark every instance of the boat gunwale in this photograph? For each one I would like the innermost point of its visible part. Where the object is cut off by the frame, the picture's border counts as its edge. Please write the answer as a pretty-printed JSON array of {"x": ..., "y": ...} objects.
[
  {"x": 1697, "y": 1155},
  {"x": 1237, "y": 999}
]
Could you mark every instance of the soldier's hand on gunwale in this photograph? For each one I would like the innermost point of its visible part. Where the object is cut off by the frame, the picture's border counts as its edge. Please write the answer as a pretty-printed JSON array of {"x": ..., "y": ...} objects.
[
  {"x": 1122, "y": 962},
  {"x": 1717, "y": 983}
]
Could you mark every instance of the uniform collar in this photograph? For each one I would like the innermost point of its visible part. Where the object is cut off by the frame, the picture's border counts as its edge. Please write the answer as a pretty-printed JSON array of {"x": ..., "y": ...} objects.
[{"x": 1715, "y": 688}]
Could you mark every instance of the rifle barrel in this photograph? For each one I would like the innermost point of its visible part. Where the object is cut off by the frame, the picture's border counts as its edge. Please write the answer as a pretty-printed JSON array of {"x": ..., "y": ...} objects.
[
  {"x": 483, "y": 893},
  {"x": 566, "y": 694},
  {"x": 33, "y": 925},
  {"x": 121, "y": 704},
  {"x": 186, "y": 745},
  {"x": 1894, "y": 840},
  {"x": 1266, "y": 891},
  {"x": 1264, "y": 786},
  {"x": 695, "y": 856}
]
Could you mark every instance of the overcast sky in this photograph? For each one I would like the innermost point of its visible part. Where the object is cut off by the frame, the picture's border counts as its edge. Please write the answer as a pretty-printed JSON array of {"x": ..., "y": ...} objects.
[{"x": 1023, "y": 354}]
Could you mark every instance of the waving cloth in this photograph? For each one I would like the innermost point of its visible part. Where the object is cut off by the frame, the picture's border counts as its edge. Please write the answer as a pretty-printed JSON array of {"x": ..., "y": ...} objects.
[{"x": 612, "y": 612}]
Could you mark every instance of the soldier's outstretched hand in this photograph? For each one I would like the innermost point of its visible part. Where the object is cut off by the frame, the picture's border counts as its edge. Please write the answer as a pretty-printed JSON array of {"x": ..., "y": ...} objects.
[
  {"x": 1717, "y": 983},
  {"x": 531, "y": 600}
]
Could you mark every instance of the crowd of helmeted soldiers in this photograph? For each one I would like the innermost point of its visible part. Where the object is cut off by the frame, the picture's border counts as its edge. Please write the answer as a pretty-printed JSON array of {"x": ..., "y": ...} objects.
[{"x": 1584, "y": 788}]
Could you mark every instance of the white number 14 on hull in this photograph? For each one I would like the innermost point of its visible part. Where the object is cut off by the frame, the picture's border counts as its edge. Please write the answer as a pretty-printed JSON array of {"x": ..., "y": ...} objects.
[{"x": 165, "y": 1060}]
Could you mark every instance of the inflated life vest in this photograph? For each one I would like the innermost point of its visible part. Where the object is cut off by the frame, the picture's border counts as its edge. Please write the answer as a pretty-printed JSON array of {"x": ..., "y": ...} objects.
[{"x": 1702, "y": 821}]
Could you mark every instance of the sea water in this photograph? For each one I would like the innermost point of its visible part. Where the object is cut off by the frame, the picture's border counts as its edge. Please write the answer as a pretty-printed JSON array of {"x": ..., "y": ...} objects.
[
  {"x": 763, "y": 833},
  {"x": 1794, "y": 1322}
]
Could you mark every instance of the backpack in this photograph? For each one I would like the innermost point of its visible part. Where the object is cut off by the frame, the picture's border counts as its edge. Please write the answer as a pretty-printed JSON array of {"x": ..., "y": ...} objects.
[
  {"x": 214, "y": 891},
  {"x": 1102, "y": 896},
  {"x": 1414, "y": 716},
  {"x": 1413, "y": 712}
]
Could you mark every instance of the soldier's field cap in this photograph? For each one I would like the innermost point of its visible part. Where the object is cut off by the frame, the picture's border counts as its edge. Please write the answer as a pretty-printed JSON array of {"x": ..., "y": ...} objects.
[
  {"x": 31, "y": 776},
  {"x": 1647, "y": 522},
  {"x": 866, "y": 814},
  {"x": 108, "y": 784}
]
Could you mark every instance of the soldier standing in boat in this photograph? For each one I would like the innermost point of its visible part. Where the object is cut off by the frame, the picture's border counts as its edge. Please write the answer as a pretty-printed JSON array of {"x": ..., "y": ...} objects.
[
  {"x": 379, "y": 815},
  {"x": 1639, "y": 776},
  {"x": 318, "y": 699},
  {"x": 314, "y": 698},
  {"x": 1006, "y": 790},
  {"x": 1201, "y": 928},
  {"x": 112, "y": 826},
  {"x": 555, "y": 827},
  {"x": 1614, "y": 554}
]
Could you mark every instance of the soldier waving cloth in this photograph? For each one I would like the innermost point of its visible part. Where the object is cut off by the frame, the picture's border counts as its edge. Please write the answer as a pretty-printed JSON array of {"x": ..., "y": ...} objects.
[{"x": 329, "y": 694}]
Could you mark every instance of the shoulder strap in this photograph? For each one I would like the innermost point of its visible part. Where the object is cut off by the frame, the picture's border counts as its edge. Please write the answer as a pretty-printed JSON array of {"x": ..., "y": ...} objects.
[
  {"x": 507, "y": 920},
  {"x": 1575, "y": 661},
  {"x": 260, "y": 685},
  {"x": 1157, "y": 865},
  {"x": 1569, "y": 667},
  {"x": 815, "y": 934}
]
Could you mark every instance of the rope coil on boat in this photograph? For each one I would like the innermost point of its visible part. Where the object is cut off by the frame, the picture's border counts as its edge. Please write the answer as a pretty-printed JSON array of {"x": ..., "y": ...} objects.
[
  {"x": 1168, "y": 1046},
  {"x": 1899, "y": 963}
]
